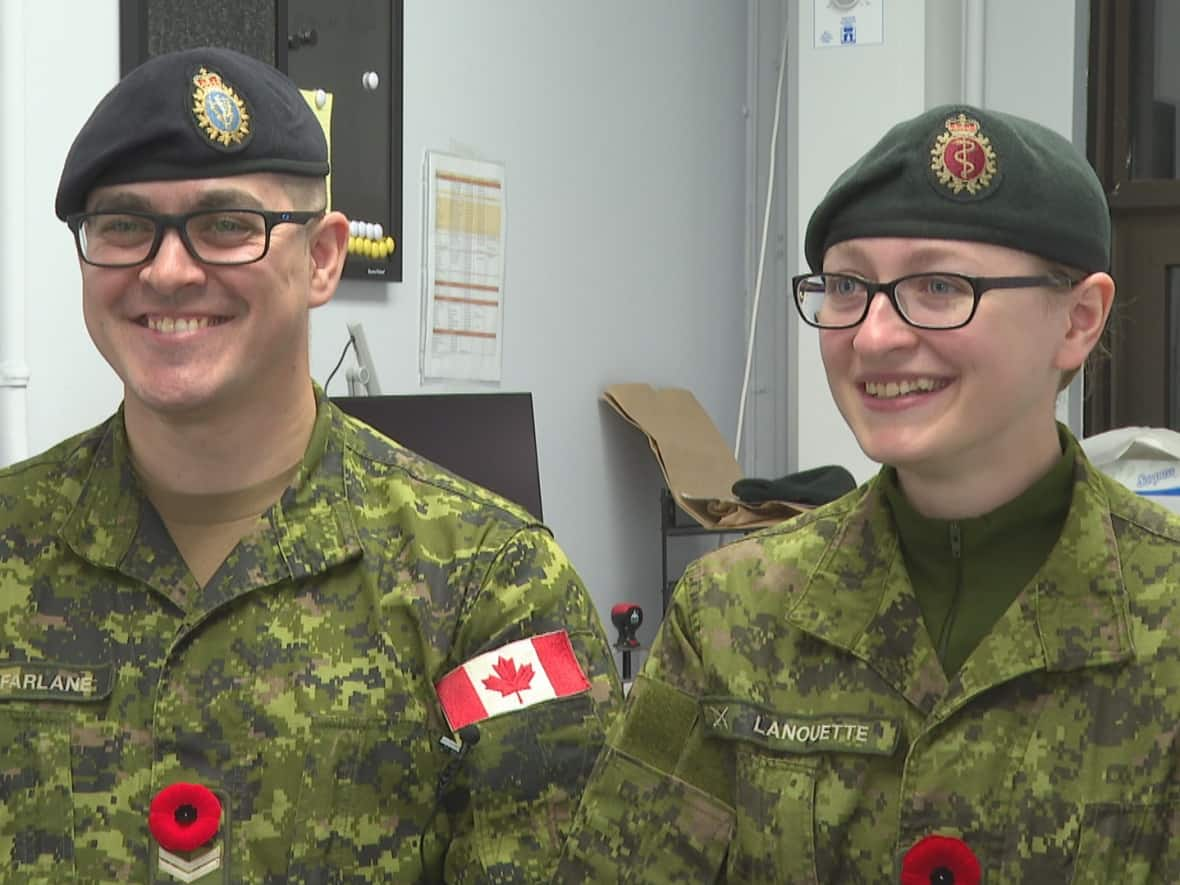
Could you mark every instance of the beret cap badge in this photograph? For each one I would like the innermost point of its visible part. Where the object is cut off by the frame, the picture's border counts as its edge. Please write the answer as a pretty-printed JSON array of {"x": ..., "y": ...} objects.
[
  {"x": 218, "y": 111},
  {"x": 962, "y": 160}
]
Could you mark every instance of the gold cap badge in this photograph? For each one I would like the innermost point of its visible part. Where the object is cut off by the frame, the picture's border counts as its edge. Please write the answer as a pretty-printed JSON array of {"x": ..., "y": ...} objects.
[
  {"x": 220, "y": 113},
  {"x": 962, "y": 159}
]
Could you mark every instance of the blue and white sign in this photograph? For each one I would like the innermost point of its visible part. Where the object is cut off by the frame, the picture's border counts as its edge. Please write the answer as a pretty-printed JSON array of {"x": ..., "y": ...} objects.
[{"x": 845, "y": 23}]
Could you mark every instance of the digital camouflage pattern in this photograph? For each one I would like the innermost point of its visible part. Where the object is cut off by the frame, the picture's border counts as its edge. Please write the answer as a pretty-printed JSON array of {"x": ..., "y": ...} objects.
[
  {"x": 793, "y": 723},
  {"x": 297, "y": 685}
]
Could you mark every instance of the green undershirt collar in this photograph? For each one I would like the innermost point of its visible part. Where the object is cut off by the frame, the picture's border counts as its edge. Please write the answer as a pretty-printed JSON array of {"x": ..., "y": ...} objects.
[{"x": 966, "y": 572}]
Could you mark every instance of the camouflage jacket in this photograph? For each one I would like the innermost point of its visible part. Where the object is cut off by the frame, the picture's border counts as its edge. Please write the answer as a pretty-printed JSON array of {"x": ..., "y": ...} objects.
[
  {"x": 297, "y": 685},
  {"x": 793, "y": 724}
]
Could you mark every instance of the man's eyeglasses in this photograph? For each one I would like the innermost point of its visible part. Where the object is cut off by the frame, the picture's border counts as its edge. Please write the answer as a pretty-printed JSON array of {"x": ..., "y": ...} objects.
[
  {"x": 212, "y": 236},
  {"x": 924, "y": 300}
]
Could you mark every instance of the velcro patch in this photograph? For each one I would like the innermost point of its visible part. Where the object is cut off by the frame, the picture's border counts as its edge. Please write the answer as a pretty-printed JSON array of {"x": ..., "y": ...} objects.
[{"x": 827, "y": 733}]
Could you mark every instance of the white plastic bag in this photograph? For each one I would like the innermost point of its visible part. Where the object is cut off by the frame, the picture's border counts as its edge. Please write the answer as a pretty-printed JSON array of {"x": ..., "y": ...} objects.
[{"x": 1144, "y": 459}]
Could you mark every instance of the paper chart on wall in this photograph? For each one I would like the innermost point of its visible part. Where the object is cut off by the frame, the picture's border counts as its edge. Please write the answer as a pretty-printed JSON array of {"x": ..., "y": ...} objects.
[{"x": 463, "y": 277}]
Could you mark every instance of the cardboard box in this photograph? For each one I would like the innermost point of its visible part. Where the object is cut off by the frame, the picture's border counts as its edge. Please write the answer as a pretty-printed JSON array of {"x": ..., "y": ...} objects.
[{"x": 697, "y": 464}]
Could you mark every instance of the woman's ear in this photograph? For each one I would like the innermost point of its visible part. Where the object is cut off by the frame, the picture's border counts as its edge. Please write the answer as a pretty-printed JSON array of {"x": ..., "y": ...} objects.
[{"x": 1090, "y": 303}]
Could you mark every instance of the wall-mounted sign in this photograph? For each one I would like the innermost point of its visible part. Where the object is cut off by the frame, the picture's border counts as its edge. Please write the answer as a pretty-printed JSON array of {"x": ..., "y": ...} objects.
[{"x": 849, "y": 22}]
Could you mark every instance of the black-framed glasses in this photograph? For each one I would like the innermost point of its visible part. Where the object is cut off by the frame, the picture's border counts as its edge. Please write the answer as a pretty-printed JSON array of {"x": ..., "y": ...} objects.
[
  {"x": 212, "y": 236},
  {"x": 924, "y": 300}
]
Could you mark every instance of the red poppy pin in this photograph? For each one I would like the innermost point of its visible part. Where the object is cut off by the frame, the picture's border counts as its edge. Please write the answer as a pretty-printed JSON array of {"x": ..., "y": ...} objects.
[
  {"x": 940, "y": 860},
  {"x": 183, "y": 817}
]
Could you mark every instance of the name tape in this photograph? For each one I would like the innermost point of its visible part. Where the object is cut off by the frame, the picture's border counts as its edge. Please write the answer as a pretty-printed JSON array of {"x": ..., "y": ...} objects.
[
  {"x": 835, "y": 732},
  {"x": 44, "y": 680}
]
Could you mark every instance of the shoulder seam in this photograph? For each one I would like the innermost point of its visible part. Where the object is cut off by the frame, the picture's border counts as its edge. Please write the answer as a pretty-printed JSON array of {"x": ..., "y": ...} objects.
[{"x": 351, "y": 444}]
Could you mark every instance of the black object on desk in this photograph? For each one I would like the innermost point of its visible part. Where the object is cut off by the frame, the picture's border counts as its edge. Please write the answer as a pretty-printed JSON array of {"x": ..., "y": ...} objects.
[
  {"x": 488, "y": 438},
  {"x": 627, "y": 616},
  {"x": 674, "y": 523}
]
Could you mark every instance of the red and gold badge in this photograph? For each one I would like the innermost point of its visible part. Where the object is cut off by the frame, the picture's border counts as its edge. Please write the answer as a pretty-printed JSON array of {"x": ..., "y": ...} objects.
[
  {"x": 962, "y": 158},
  {"x": 940, "y": 860},
  {"x": 185, "y": 819}
]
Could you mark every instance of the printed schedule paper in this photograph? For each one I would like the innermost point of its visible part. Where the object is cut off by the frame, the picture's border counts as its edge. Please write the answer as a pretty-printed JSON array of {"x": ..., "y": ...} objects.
[{"x": 463, "y": 277}]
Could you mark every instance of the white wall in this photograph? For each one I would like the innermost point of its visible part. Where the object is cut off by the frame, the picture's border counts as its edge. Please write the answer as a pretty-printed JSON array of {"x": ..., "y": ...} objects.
[
  {"x": 1030, "y": 63},
  {"x": 67, "y": 70},
  {"x": 843, "y": 99},
  {"x": 766, "y": 422},
  {"x": 622, "y": 131}
]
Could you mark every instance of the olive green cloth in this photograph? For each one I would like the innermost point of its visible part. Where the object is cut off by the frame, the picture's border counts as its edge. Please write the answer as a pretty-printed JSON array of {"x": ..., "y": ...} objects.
[
  {"x": 967, "y": 572},
  {"x": 819, "y": 485},
  {"x": 963, "y": 173}
]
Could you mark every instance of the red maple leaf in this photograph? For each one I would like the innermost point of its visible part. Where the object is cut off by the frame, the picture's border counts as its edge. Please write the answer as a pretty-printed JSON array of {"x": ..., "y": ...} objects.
[{"x": 508, "y": 680}]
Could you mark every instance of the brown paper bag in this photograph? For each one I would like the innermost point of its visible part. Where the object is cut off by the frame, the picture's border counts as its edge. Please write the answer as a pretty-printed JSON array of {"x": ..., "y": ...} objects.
[{"x": 698, "y": 466}]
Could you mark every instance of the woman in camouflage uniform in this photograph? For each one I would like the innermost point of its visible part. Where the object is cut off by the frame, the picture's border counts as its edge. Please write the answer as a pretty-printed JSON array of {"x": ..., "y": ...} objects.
[{"x": 967, "y": 668}]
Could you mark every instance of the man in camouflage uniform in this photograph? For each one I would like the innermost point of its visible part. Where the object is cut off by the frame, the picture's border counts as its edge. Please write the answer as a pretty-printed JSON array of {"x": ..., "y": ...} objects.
[
  {"x": 969, "y": 668},
  {"x": 233, "y": 608}
]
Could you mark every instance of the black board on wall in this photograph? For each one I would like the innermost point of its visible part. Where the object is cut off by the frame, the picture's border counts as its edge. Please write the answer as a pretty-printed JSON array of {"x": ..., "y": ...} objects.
[{"x": 334, "y": 45}]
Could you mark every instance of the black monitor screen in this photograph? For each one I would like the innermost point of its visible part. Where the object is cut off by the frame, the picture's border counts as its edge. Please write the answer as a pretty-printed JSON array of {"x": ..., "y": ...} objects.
[{"x": 488, "y": 438}]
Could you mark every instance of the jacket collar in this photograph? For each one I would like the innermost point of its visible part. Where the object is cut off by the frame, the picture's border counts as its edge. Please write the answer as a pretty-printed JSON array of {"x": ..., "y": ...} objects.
[
  {"x": 309, "y": 530},
  {"x": 1072, "y": 614}
]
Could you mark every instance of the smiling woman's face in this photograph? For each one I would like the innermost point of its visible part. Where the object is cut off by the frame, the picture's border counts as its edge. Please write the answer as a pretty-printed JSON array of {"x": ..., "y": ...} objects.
[{"x": 943, "y": 400}]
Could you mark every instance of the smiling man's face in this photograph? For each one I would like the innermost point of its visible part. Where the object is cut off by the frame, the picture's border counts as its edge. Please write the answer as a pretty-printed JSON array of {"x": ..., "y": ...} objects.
[{"x": 190, "y": 337}]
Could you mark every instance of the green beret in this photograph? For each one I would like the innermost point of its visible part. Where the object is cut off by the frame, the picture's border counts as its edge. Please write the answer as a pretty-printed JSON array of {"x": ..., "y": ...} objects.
[
  {"x": 962, "y": 173},
  {"x": 197, "y": 113}
]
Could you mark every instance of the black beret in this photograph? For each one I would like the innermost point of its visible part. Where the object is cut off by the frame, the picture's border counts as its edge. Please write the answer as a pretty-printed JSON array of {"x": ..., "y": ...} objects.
[
  {"x": 197, "y": 113},
  {"x": 819, "y": 485},
  {"x": 962, "y": 173}
]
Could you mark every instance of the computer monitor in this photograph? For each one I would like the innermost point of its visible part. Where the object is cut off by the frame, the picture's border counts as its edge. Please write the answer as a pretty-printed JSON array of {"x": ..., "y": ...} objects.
[{"x": 488, "y": 438}]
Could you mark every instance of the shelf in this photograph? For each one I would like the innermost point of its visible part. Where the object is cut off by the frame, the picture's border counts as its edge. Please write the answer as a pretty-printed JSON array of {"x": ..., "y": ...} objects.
[{"x": 675, "y": 523}]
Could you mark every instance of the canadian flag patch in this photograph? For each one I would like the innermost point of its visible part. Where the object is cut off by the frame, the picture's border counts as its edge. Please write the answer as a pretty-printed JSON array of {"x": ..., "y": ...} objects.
[{"x": 510, "y": 678}]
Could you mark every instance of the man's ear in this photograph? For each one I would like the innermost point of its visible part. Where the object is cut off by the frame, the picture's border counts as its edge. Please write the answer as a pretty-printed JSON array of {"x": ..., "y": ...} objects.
[
  {"x": 328, "y": 248},
  {"x": 1090, "y": 303}
]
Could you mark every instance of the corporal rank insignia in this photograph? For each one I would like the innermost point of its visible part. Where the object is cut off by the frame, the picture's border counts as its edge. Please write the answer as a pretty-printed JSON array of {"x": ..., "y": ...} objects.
[
  {"x": 220, "y": 113},
  {"x": 962, "y": 160},
  {"x": 187, "y": 823}
]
